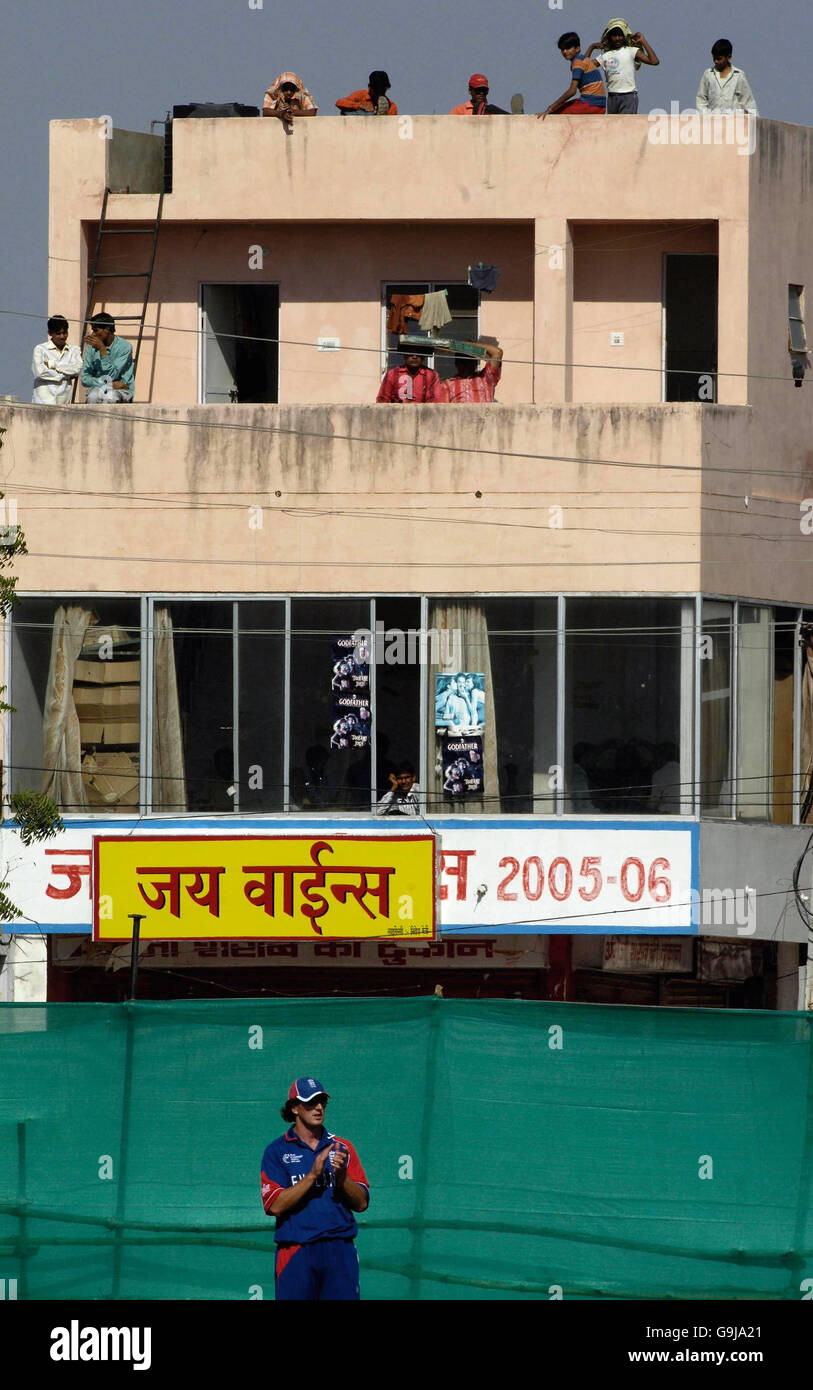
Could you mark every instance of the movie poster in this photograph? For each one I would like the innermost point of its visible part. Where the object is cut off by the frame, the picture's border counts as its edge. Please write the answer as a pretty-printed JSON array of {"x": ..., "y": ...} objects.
[
  {"x": 352, "y": 716},
  {"x": 460, "y": 703},
  {"x": 463, "y": 766}
]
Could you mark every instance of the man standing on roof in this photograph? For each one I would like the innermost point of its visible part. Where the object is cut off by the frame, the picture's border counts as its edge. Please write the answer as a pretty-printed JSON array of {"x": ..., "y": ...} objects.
[
  {"x": 370, "y": 102},
  {"x": 312, "y": 1182},
  {"x": 724, "y": 87},
  {"x": 478, "y": 103}
]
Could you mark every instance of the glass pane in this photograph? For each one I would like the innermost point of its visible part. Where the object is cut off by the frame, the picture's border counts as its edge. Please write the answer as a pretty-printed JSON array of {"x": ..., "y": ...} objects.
[
  {"x": 193, "y": 733},
  {"x": 493, "y": 752},
  {"x": 794, "y": 301},
  {"x": 715, "y": 686},
  {"x": 330, "y": 765},
  {"x": 463, "y": 306},
  {"x": 755, "y": 680},
  {"x": 806, "y": 740},
  {"x": 784, "y": 653},
  {"x": 394, "y": 357},
  {"x": 100, "y": 773},
  {"x": 400, "y": 661},
  {"x": 623, "y": 707},
  {"x": 261, "y": 665},
  {"x": 797, "y": 335}
]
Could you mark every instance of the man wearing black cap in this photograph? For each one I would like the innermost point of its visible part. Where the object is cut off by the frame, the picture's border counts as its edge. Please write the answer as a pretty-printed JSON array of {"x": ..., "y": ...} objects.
[
  {"x": 312, "y": 1181},
  {"x": 107, "y": 368},
  {"x": 413, "y": 381},
  {"x": 372, "y": 101}
]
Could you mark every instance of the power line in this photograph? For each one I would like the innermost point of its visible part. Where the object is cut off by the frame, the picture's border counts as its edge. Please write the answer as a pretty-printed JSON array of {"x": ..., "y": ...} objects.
[{"x": 123, "y": 414}]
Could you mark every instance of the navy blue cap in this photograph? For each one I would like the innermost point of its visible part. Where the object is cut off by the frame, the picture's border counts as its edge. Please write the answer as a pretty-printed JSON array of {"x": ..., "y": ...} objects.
[{"x": 306, "y": 1088}]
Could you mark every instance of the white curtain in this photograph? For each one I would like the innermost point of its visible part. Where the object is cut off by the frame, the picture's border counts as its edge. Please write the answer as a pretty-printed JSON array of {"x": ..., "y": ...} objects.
[
  {"x": 168, "y": 775},
  {"x": 467, "y": 629},
  {"x": 62, "y": 745}
]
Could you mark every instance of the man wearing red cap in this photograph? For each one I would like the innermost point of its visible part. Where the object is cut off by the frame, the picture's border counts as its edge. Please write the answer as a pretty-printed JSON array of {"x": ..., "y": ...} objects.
[
  {"x": 312, "y": 1182},
  {"x": 478, "y": 103}
]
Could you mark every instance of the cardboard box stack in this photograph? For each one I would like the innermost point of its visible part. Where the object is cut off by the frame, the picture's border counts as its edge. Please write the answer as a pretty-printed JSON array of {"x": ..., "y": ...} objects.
[{"x": 107, "y": 696}]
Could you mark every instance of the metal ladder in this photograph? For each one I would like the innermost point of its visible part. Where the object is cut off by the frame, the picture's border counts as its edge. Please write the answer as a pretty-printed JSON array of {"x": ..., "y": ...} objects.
[{"x": 145, "y": 275}]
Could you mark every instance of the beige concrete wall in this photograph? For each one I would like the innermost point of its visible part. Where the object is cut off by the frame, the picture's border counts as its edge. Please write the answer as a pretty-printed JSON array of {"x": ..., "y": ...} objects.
[
  {"x": 414, "y": 175},
  {"x": 330, "y": 280},
  {"x": 618, "y": 286},
  {"x": 780, "y": 253},
  {"x": 356, "y": 500}
]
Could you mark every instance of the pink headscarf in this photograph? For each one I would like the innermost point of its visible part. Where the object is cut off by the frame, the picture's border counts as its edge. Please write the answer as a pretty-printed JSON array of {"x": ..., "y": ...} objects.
[{"x": 274, "y": 97}]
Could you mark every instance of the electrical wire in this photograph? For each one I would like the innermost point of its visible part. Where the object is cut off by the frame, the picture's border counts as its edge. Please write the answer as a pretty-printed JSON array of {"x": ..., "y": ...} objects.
[{"x": 124, "y": 415}]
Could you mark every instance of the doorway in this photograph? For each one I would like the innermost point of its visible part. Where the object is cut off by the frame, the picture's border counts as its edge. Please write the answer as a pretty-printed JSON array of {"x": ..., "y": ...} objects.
[
  {"x": 240, "y": 347},
  {"x": 690, "y": 328}
]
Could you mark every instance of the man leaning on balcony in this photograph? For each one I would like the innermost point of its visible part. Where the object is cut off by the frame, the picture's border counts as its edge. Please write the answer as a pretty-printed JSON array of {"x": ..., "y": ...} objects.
[
  {"x": 288, "y": 97},
  {"x": 107, "y": 368}
]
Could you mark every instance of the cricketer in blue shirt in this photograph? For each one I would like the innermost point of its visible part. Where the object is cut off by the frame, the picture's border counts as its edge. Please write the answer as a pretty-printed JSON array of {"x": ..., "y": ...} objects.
[{"x": 312, "y": 1181}]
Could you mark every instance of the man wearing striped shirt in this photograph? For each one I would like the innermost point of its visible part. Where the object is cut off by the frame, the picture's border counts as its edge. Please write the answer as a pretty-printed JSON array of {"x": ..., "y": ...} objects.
[{"x": 585, "y": 96}]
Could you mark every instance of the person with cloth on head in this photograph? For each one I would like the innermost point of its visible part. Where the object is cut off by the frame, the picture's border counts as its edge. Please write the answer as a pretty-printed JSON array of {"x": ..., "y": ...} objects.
[
  {"x": 55, "y": 365},
  {"x": 107, "y": 368},
  {"x": 413, "y": 381},
  {"x": 370, "y": 102},
  {"x": 620, "y": 54},
  {"x": 724, "y": 88},
  {"x": 478, "y": 103},
  {"x": 585, "y": 96},
  {"x": 468, "y": 386},
  {"x": 312, "y": 1182},
  {"x": 288, "y": 97}
]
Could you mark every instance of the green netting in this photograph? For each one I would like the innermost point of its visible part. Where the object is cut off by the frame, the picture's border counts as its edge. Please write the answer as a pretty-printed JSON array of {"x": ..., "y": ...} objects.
[{"x": 539, "y": 1161}]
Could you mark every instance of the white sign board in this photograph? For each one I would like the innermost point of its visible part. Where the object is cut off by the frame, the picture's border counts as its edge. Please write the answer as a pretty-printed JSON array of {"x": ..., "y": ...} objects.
[{"x": 515, "y": 877}]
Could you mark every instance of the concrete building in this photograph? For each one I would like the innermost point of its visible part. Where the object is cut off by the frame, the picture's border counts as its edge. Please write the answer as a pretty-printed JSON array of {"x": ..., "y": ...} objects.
[{"x": 618, "y": 544}]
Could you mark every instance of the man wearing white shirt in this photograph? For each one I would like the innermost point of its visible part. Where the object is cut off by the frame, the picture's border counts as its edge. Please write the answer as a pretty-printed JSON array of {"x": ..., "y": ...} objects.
[
  {"x": 724, "y": 88},
  {"x": 402, "y": 798},
  {"x": 55, "y": 365},
  {"x": 620, "y": 55}
]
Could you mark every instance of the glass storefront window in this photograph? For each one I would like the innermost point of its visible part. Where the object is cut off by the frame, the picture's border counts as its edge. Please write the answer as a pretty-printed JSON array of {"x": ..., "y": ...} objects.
[
  {"x": 76, "y": 674},
  {"x": 628, "y": 682},
  {"x": 500, "y": 653},
  {"x": 193, "y": 723},
  {"x": 716, "y": 708}
]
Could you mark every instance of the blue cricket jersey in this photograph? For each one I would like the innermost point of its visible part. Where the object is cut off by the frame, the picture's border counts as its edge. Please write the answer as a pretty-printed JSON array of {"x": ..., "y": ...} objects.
[{"x": 322, "y": 1215}]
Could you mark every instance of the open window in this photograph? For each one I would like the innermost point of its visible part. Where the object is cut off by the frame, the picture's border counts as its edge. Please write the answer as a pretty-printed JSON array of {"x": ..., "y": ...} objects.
[
  {"x": 240, "y": 344},
  {"x": 464, "y": 307}
]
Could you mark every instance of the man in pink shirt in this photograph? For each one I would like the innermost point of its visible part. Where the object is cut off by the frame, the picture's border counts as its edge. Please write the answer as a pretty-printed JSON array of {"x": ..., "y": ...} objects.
[
  {"x": 470, "y": 387},
  {"x": 411, "y": 382}
]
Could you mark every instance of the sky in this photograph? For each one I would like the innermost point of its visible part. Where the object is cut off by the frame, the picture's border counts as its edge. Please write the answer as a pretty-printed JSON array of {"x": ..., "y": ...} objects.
[{"x": 74, "y": 59}]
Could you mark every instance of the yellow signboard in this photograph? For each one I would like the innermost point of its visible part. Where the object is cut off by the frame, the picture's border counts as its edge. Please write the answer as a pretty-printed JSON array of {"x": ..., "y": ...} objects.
[{"x": 227, "y": 887}]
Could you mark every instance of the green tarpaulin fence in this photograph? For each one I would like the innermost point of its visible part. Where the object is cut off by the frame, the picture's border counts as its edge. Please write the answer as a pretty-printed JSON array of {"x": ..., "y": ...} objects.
[{"x": 515, "y": 1150}]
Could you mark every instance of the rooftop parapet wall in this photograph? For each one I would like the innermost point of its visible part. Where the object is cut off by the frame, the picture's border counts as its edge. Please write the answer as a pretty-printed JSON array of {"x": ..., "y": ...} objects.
[{"x": 503, "y": 167}]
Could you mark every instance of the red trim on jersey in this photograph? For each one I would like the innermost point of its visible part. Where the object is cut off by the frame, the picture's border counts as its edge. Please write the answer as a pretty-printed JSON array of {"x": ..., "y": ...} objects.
[
  {"x": 354, "y": 1169},
  {"x": 285, "y": 1254},
  {"x": 270, "y": 1192}
]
